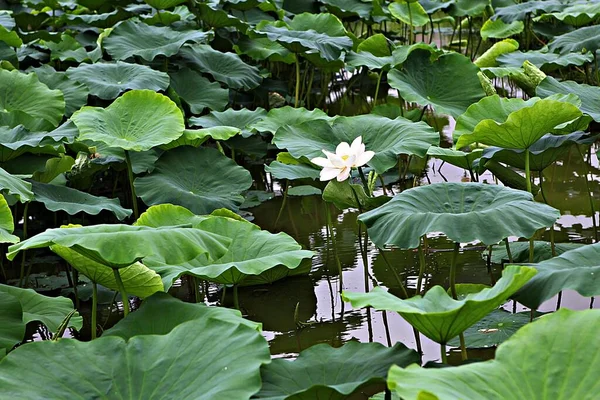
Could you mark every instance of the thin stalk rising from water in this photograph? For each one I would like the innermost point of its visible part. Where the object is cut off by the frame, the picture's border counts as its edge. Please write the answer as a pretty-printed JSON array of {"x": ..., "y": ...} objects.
[
  {"x": 94, "y": 309},
  {"x": 130, "y": 175},
  {"x": 124, "y": 296}
]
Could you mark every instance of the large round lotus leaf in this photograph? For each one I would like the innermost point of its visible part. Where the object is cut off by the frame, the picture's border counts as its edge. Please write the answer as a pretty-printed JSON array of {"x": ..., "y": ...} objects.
[
  {"x": 577, "y": 41},
  {"x": 199, "y": 359},
  {"x": 589, "y": 95},
  {"x": 163, "y": 4},
  {"x": 161, "y": 313},
  {"x": 437, "y": 315},
  {"x": 543, "y": 153},
  {"x": 449, "y": 84},
  {"x": 227, "y": 68},
  {"x": 75, "y": 93},
  {"x": 243, "y": 119},
  {"x": 15, "y": 186},
  {"x": 26, "y": 101},
  {"x": 387, "y": 138},
  {"x": 7, "y": 225},
  {"x": 198, "y": 92},
  {"x": 251, "y": 252},
  {"x": 134, "y": 38},
  {"x": 409, "y": 12},
  {"x": 186, "y": 176},
  {"x": 577, "y": 14},
  {"x": 458, "y": 158},
  {"x": 51, "y": 311},
  {"x": 12, "y": 328},
  {"x": 73, "y": 201},
  {"x": 322, "y": 34},
  {"x": 138, "y": 121},
  {"x": 278, "y": 117},
  {"x": 549, "y": 359},
  {"x": 99, "y": 243},
  {"x": 543, "y": 59},
  {"x": 138, "y": 280},
  {"x": 196, "y": 137},
  {"x": 465, "y": 212},
  {"x": 499, "y": 30},
  {"x": 325, "y": 372},
  {"x": 577, "y": 269},
  {"x": 471, "y": 8},
  {"x": 520, "y": 11},
  {"x": 345, "y": 8},
  {"x": 523, "y": 127},
  {"x": 108, "y": 80}
]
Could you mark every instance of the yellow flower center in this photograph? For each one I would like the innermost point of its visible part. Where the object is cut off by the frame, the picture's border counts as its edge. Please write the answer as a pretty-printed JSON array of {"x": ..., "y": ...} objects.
[{"x": 345, "y": 157}]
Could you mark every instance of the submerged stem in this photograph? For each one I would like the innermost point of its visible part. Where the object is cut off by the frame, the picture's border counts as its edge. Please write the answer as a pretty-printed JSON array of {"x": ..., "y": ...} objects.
[
  {"x": 130, "y": 175},
  {"x": 123, "y": 292}
]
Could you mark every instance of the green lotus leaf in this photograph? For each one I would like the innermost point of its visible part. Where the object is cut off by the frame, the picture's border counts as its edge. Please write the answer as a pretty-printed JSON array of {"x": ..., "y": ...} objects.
[
  {"x": 163, "y": 4},
  {"x": 67, "y": 49},
  {"x": 196, "y": 137},
  {"x": 160, "y": 313},
  {"x": 322, "y": 371},
  {"x": 409, "y": 12},
  {"x": 321, "y": 34},
  {"x": 437, "y": 315},
  {"x": 215, "y": 17},
  {"x": 15, "y": 186},
  {"x": 53, "y": 168},
  {"x": 31, "y": 306},
  {"x": 227, "y": 68},
  {"x": 499, "y": 30},
  {"x": 387, "y": 138},
  {"x": 458, "y": 158},
  {"x": 520, "y": 251},
  {"x": 185, "y": 176},
  {"x": 589, "y": 95},
  {"x": 26, "y": 101},
  {"x": 243, "y": 119},
  {"x": 470, "y": 8},
  {"x": 578, "y": 41},
  {"x": 100, "y": 20},
  {"x": 167, "y": 215},
  {"x": 576, "y": 14},
  {"x": 108, "y": 80},
  {"x": 97, "y": 242},
  {"x": 73, "y": 201},
  {"x": 18, "y": 141},
  {"x": 279, "y": 170},
  {"x": 449, "y": 84},
  {"x": 365, "y": 56},
  {"x": 216, "y": 359},
  {"x": 345, "y": 8},
  {"x": 344, "y": 195},
  {"x": 7, "y": 225},
  {"x": 252, "y": 252},
  {"x": 6, "y": 19},
  {"x": 264, "y": 49},
  {"x": 523, "y": 127},
  {"x": 520, "y": 11},
  {"x": 75, "y": 93},
  {"x": 577, "y": 269},
  {"x": 198, "y": 92},
  {"x": 543, "y": 153},
  {"x": 138, "y": 280},
  {"x": 488, "y": 59},
  {"x": 278, "y": 117},
  {"x": 138, "y": 121},
  {"x": 304, "y": 190},
  {"x": 134, "y": 38},
  {"x": 544, "y": 59},
  {"x": 493, "y": 329},
  {"x": 548, "y": 347},
  {"x": 490, "y": 212}
]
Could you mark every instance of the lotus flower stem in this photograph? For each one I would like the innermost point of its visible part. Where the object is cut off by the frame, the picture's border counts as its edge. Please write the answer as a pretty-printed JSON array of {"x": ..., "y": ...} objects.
[
  {"x": 444, "y": 355},
  {"x": 528, "y": 179},
  {"x": 283, "y": 203},
  {"x": 364, "y": 182},
  {"x": 136, "y": 213},
  {"x": 25, "y": 218},
  {"x": 297, "y": 99},
  {"x": 377, "y": 87},
  {"x": 124, "y": 296},
  {"x": 94, "y": 309},
  {"x": 236, "y": 301}
]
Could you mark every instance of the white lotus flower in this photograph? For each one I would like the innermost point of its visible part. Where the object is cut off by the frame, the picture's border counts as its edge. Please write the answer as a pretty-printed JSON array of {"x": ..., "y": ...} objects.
[{"x": 346, "y": 157}]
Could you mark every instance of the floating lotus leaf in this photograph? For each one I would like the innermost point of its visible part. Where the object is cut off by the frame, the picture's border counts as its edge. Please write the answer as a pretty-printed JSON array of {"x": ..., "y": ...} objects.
[
  {"x": 387, "y": 138},
  {"x": 75, "y": 93},
  {"x": 24, "y": 100},
  {"x": 577, "y": 41},
  {"x": 138, "y": 121},
  {"x": 98, "y": 242},
  {"x": 437, "y": 315},
  {"x": 278, "y": 117},
  {"x": 499, "y": 30},
  {"x": 73, "y": 201},
  {"x": 108, "y": 80},
  {"x": 544, "y": 59},
  {"x": 589, "y": 95},
  {"x": 216, "y": 360},
  {"x": 550, "y": 354},
  {"x": 252, "y": 251},
  {"x": 160, "y": 313},
  {"x": 576, "y": 269},
  {"x": 449, "y": 84},
  {"x": 458, "y": 158},
  {"x": 21, "y": 306},
  {"x": 198, "y": 92},
  {"x": 322, "y": 371},
  {"x": 15, "y": 186},
  {"x": 464, "y": 212},
  {"x": 243, "y": 119},
  {"x": 523, "y": 127},
  {"x": 520, "y": 251},
  {"x": 409, "y": 12},
  {"x": 227, "y": 68},
  {"x": 322, "y": 34},
  {"x": 304, "y": 190},
  {"x": 185, "y": 176},
  {"x": 134, "y": 38},
  {"x": 7, "y": 225},
  {"x": 520, "y": 11}
]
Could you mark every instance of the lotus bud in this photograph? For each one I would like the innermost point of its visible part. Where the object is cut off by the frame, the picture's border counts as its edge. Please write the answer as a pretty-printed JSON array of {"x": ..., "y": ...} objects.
[{"x": 486, "y": 84}]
